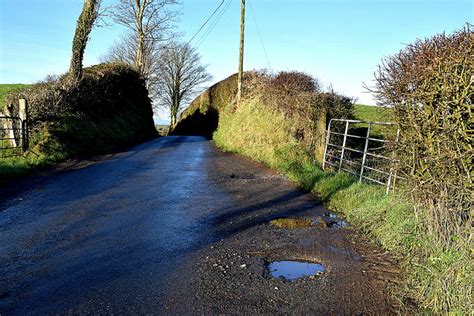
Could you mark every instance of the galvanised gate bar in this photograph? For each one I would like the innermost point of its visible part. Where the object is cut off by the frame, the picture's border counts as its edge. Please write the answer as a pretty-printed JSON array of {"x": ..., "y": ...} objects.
[
  {"x": 364, "y": 155},
  {"x": 14, "y": 132}
]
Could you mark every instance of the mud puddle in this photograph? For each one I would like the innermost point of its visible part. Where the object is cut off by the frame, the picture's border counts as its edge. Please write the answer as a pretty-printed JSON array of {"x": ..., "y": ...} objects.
[
  {"x": 328, "y": 220},
  {"x": 293, "y": 270},
  {"x": 332, "y": 220}
]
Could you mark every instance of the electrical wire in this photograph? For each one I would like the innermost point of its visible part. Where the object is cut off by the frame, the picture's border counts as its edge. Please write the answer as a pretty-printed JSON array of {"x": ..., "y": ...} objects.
[
  {"x": 207, "y": 21},
  {"x": 260, "y": 36},
  {"x": 213, "y": 24}
]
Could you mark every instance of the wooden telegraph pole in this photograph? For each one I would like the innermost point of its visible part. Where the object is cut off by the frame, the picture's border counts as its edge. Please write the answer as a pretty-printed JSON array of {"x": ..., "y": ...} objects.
[{"x": 240, "y": 75}]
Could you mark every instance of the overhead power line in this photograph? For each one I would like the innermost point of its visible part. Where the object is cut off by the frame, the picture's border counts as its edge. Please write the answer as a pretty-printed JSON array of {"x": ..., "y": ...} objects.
[
  {"x": 211, "y": 27},
  {"x": 207, "y": 21},
  {"x": 260, "y": 36}
]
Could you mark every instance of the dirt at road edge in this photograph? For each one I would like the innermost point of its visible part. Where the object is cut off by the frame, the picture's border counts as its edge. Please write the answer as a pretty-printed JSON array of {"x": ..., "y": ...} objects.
[{"x": 230, "y": 276}]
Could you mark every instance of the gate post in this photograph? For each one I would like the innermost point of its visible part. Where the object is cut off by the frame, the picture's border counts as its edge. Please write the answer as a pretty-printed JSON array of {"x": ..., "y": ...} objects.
[
  {"x": 344, "y": 145},
  {"x": 328, "y": 135},
  {"x": 320, "y": 134},
  {"x": 23, "y": 113},
  {"x": 365, "y": 153},
  {"x": 392, "y": 178}
]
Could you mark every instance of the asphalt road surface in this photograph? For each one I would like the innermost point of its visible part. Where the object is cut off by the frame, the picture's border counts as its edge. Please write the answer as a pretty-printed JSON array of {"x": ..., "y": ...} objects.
[{"x": 143, "y": 232}]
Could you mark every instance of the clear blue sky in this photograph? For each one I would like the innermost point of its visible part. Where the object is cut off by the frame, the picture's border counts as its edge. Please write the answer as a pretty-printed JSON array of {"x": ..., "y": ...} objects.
[{"x": 338, "y": 41}]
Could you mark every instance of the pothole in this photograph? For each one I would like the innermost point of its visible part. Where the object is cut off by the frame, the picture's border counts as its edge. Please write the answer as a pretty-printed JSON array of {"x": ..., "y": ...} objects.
[
  {"x": 330, "y": 220},
  {"x": 243, "y": 177},
  {"x": 333, "y": 221},
  {"x": 292, "y": 270},
  {"x": 251, "y": 177}
]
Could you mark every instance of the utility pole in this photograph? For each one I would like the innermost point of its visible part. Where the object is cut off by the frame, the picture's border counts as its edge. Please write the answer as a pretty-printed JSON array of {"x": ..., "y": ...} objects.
[{"x": 240, "y": 75}]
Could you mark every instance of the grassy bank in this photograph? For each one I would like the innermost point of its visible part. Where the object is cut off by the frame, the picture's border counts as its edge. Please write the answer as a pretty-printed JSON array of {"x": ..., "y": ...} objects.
[
  {"x": 18, "y": 167},
  {"x": 437, "y": 278}
]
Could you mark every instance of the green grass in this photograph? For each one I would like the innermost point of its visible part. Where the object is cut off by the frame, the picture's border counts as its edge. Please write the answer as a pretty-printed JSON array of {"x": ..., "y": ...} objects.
[
  {"x": 5, "y": 89},
  {"x": 18, "y": 167},
  {"x": 373, "y": 113},
  {"x": 438, "y": 278}
]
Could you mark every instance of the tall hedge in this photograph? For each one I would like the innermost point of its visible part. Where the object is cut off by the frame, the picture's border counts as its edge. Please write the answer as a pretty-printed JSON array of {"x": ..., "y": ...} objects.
[
  {"x": 430, "y": 85},
  {"x": 294, "y": 94},
  {"x": 108, "y": 109}
]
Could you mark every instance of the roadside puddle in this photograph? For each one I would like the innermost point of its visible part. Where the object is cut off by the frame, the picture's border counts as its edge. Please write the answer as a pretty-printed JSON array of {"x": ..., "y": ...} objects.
[
  {"x": 333, "y": 221},
  {"x": 328, "y": 220},
  {"x": 291, "y": 223},
  {"x": 293, "y": 270}
]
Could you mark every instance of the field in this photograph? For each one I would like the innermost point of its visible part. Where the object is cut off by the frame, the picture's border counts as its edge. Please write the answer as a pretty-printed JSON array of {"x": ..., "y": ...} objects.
[
  {"x": 375, "y": 114},
  {"x": 5, "y": 89},
  {"x": 372, "y": 113}
]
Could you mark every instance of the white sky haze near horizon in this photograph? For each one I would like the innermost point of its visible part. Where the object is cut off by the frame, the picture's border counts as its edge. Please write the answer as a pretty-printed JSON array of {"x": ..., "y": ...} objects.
[{"x": 340, "y": 42}]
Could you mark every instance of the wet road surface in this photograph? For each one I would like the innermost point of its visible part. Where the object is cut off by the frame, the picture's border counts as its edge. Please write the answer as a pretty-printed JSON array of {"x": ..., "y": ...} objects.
[
  {"x": 132, "y": 234},
  {"x": 110, "y": 233}
]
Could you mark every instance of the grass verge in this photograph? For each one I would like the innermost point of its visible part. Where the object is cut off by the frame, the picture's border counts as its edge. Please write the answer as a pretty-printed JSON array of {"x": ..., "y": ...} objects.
[
  {"x": 19, "y": 167},
  {"x": 438, "y": 278}
]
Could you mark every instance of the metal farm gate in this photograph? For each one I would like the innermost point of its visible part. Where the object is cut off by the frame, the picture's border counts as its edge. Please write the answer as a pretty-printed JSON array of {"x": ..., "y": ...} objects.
[
  {"x": 355, "y": 147},
  {"x": 14, "y": 132}
]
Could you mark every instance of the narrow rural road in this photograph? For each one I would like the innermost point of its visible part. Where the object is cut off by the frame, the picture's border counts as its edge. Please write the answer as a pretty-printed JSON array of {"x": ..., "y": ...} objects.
[{"x": 177, "y": 226}]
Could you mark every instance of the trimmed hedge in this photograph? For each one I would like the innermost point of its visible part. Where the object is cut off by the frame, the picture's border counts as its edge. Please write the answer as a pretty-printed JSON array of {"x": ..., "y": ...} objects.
[{"x": 108, "y": 109}]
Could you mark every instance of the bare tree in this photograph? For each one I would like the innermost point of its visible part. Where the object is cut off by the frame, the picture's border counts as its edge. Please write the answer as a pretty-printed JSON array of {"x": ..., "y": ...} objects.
[
  {"x": 125, "y": 51},
  {"x": 85, "y": 23},
  {"x": 180, "y": 76},
  {"x": 149, "y": 22}
]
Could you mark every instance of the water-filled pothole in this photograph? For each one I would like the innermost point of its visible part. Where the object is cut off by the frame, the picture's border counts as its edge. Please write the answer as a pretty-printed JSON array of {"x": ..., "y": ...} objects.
[
  {"x": 292, "y": 270},
  {"x": 328, "y": 219},
  {"x": 333, "y": 221},
  {"x": 291, "y": 222}
]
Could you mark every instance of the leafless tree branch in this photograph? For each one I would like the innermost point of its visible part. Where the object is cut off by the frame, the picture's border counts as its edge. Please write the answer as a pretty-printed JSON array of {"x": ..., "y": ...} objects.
[{"x": 179, "y": 77}]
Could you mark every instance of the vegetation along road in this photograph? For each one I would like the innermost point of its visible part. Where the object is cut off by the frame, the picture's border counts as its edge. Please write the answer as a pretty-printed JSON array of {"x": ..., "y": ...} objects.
[{"x": 139, "y": 233}]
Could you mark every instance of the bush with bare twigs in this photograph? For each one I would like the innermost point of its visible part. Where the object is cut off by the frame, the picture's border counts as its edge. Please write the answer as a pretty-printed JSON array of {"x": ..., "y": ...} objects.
[{"x": 430, "y": 85}]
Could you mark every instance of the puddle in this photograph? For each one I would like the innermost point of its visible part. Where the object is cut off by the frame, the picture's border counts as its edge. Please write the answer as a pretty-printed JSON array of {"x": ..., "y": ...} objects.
[
  {"x": 329, "y": 220},
  {"x": 330, "y": 215},
  {"x": 334, "y": 221},
  {"x": 291, "y": 222},
  {"x": 292, "y": 270}
]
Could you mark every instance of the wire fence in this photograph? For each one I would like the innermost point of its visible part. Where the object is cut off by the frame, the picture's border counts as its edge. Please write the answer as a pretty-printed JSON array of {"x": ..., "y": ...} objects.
[{"x": 358, "y": 148}]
